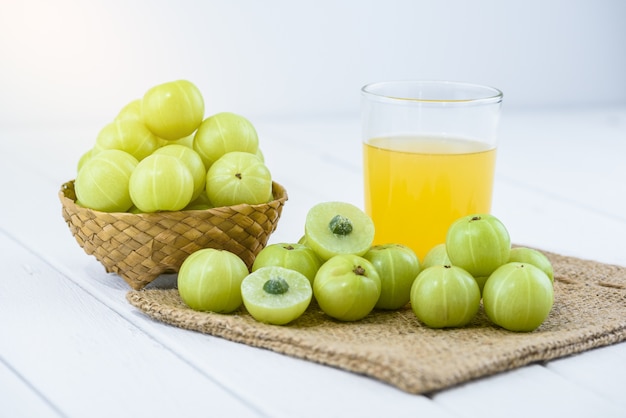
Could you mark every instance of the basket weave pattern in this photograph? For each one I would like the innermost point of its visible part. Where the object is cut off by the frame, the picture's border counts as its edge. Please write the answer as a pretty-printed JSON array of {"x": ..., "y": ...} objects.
[{"x": 140, "y": 247}]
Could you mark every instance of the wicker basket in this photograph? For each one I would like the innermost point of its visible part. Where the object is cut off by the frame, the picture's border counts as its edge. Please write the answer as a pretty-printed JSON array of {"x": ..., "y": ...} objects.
[{"x": 140, "y": 247}]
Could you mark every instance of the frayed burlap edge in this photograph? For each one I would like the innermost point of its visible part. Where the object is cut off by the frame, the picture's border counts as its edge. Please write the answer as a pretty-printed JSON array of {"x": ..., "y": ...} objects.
[{"x": 394, "y": 347}]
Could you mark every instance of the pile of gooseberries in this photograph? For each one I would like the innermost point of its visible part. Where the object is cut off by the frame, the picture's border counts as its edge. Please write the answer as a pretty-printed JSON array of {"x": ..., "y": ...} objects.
[
  {"x": 476, "y": 263},
  {"x": 160, "y": 153},
  {"x": 336, "y": 264}
]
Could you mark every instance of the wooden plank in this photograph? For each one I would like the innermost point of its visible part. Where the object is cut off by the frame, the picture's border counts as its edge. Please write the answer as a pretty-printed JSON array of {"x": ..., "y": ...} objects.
[
  {"x": 600, "y": 371},
  {"x": 19, "y": 400},
  {"x": 88, "y": 360},
  {"x": 529, "y": 391}
]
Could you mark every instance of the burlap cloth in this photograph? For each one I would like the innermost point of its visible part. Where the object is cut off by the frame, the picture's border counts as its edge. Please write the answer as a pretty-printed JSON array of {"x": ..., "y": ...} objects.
[{"x": 589, "y": 311}]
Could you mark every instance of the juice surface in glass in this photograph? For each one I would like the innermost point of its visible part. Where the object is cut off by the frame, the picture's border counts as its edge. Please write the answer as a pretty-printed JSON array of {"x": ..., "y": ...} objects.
[{"x": 415, "y": 187}]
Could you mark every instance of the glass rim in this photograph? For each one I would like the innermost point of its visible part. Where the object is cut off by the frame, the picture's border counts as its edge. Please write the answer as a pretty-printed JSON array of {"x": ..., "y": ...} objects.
[{"x": 472, "y": 93}]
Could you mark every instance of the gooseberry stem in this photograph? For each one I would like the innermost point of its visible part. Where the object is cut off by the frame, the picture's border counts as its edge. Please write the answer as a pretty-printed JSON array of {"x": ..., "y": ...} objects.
[{"x": 358, "y": 270}]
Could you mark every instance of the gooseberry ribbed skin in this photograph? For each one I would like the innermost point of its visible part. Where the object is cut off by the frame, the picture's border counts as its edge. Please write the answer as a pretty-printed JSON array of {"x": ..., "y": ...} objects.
[
  {"x": 84, "y": 158},
  {"x": 173, "y": 110},
  {"x": 436, "y": 256},
  {"x": 478, "y": 243},
  {"x": 397, "y": 266},
  {"x": 129, "y": 135},
  {"x": 102, "y": 182},
  {"x": 210, "y": 280},
  {"x": 238, "y": 177},
  {"x": 131, "y": 110},
  {"x": 445, "y": 297},
  {"x": 193, "y": 162},
  {"x": 223, "y": 133},
  {"x": 161, "y": 183},
  {"x": 518, "y": 297},
  {"x": 534, "y": 257},
  {"x": 347, "y": 287},
  {"x": 293, "y": 256}
]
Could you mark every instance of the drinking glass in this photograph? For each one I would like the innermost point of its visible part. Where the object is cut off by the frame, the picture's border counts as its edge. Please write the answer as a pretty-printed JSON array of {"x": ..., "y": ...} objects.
[{"x": 429, "y": 154}]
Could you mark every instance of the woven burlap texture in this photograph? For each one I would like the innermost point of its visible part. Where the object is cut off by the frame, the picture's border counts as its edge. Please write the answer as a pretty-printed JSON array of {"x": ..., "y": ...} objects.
[{"x": 394, "y": 347}]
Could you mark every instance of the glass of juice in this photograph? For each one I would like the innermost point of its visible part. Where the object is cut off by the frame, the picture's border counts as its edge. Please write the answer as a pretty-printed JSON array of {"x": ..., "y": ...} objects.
[{"x": 429, "y": 153}]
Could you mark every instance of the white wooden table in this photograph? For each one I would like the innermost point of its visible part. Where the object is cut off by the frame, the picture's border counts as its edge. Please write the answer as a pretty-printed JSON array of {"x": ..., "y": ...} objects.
[{"x": 72, "y": 346}]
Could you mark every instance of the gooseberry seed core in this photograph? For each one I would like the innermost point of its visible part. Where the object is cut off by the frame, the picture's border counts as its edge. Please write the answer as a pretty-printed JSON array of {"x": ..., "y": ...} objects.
[
  {"x": 340, "y": 225},
  {"x": 276, "y": 286}
]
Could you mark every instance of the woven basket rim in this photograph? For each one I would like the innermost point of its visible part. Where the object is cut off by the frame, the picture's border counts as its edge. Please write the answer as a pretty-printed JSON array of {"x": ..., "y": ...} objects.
[
  {"x": 141, "y": 246},
  {"x": 279, "y": 194}
]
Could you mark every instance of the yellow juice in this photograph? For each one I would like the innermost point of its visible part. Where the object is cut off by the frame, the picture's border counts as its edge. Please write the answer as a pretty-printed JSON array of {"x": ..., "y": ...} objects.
[{"x": 415, "y": 187}]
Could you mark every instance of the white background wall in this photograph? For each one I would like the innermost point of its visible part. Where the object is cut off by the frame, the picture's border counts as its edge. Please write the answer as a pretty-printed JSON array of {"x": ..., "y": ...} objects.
[{"x": 65, "y": 61}]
